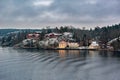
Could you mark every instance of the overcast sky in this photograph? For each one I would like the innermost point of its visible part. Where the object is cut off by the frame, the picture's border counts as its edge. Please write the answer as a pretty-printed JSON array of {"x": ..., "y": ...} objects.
[{"x": 41, "y": 13}]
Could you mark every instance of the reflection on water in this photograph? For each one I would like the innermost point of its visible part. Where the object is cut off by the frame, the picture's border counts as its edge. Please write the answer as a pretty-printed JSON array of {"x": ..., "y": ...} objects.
[
  {"x": 58, "y": 65},
  {"x": 66, "y": 53}
]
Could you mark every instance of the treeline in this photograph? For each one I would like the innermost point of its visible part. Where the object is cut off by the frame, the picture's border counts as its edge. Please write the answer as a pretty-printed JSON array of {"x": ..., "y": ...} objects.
[
  {"x": 4, "y": 32},
  {"x": 10, "y": 37},
  {"x": 103, "y": 34},
  {"x": 107, "y": 33}
]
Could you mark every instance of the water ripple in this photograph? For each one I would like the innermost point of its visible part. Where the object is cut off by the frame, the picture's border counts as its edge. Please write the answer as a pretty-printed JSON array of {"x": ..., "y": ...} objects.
[{"x": 58, "y": 65}]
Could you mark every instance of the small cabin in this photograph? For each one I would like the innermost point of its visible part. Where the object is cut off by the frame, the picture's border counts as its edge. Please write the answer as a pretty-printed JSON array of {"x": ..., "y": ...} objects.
[{"x": 94, "y": 45}]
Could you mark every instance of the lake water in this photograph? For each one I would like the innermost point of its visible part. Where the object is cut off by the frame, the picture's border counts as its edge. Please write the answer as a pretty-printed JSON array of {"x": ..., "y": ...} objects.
[{"x": 20, "y": 64}]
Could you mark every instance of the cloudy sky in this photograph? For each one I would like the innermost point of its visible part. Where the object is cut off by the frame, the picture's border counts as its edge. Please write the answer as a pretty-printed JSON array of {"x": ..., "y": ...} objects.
[{"x": 41, "y": 13}]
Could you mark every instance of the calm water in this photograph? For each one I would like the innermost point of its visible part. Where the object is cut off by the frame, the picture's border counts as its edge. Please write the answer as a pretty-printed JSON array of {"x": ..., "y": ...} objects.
[{"x": 58, "y": 65}]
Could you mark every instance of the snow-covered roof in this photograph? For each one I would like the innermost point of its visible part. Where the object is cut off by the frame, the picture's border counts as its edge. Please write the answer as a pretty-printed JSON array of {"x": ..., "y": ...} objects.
[
  {"x": 67, "y": 33},
  {"x": 94, "y": 43},
  {"x": 56, "y": 34},
  {"x": 113, "y": 40}
]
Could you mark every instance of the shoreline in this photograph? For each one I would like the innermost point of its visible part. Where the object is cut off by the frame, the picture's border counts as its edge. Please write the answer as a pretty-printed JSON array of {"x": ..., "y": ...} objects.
[{"x": 68, "y": 49}]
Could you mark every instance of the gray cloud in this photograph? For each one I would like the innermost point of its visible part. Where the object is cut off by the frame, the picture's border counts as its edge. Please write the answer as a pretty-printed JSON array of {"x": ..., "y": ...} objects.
[{"x": 73, "y": 12}]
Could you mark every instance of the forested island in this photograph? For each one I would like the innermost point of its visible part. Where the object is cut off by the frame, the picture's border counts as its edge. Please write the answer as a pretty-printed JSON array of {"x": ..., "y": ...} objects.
[{"x": 104, "y": 36}]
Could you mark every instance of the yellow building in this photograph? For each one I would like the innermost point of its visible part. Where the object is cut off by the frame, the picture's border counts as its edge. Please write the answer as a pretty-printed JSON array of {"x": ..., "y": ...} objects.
[{"x": 62, "y": 44}]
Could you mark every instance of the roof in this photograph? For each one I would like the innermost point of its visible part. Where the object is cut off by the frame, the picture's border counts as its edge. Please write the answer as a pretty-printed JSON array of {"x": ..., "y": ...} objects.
[{"x": 55, "y": 34}]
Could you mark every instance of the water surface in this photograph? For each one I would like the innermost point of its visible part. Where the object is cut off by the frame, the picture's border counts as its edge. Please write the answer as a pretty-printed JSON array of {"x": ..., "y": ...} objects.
[{"x": 20, "y": 64}]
